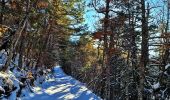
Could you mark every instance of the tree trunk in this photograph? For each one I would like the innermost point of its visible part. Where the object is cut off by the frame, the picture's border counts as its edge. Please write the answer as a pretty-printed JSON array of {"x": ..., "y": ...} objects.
[
  {"x": 2, "y": 11},
  {"x": 16, "y": 38},
  {"x": 144, "y": 50},
  {"x": 105, "y": 88},
  {"x": 43, "y": 49},
  {"x": 13, "y": 46},
  {"x": 166, "y": 53},
  {"x": 21, "y": 49}
]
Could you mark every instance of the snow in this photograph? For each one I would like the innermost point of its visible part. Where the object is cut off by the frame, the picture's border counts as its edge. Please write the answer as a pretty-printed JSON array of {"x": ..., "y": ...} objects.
[
  {"x": 3, "y": 57},
  {"x": 156, "y": 86},
  {"x": 56, "y": 86},
  {"x": 61, "y": 87},
  {"x": 167, "y": 66},
  {"x": 16, "y": 82},
  {"x": 2, "y": 89}
]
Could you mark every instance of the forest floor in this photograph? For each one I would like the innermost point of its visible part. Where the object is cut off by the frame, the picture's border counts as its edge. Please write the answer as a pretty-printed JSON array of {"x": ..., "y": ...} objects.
[{"x": 61, "y": 87}]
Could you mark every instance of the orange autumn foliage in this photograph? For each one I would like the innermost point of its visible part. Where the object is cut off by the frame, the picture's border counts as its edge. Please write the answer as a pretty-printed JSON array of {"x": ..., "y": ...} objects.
[
  {"x": 41, "y": 4},
  {"x": 99, "y": 35},
  {"x": 113, "y": 51},
  {"x": 13, "y": 4}
]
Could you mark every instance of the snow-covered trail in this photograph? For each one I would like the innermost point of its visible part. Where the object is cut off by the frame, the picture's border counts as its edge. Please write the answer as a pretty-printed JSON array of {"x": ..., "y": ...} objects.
[{"x": 62, "y": 87}]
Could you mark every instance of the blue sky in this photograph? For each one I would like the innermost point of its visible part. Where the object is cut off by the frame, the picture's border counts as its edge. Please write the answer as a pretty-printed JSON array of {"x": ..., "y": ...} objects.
[{"x": 91, "y": 17}]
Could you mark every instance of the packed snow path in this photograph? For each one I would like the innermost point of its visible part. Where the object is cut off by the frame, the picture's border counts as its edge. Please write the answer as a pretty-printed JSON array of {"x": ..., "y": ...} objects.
[{"x": 62, "y": 87}]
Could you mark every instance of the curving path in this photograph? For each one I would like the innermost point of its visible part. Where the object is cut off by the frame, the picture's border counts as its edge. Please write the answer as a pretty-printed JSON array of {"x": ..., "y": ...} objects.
[{"x": 62, "y": 87}]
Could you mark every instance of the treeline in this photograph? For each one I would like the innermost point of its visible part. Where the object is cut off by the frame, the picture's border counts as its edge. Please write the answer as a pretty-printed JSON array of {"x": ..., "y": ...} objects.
[
  {"x": 127, "y": 58},
  {"x": 34, "y": 33},
  {"x": 36, "y": 28}
]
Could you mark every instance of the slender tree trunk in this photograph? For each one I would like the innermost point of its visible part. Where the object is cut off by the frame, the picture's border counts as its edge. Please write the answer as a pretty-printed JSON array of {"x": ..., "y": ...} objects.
[
  {"x": 20, "y": 61},
  {"x": 43, "y": 49},
  {"x": 166, "y": 53},
  {"x": 22, "y": 49},
  {"x": 2, "y": 11},
  {"x": 144, "y": 50},
  {"x": 133, "y": 43},
  {"x": 16, "y": 38},
  {"x": 105, "y": 85},
  {"x": 13, "y": 46}
]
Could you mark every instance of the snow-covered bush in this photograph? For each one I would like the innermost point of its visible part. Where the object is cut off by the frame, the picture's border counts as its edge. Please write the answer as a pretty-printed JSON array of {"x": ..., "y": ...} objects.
[{"x": 6, "y": 83}]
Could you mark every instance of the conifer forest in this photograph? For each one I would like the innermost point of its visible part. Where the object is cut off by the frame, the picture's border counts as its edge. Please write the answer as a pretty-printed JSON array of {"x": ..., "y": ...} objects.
[{"x": 84, "y": 49}]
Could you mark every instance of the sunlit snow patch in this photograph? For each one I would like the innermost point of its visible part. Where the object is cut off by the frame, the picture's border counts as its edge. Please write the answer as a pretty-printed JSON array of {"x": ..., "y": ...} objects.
[{"x": 62, "y": 87}]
